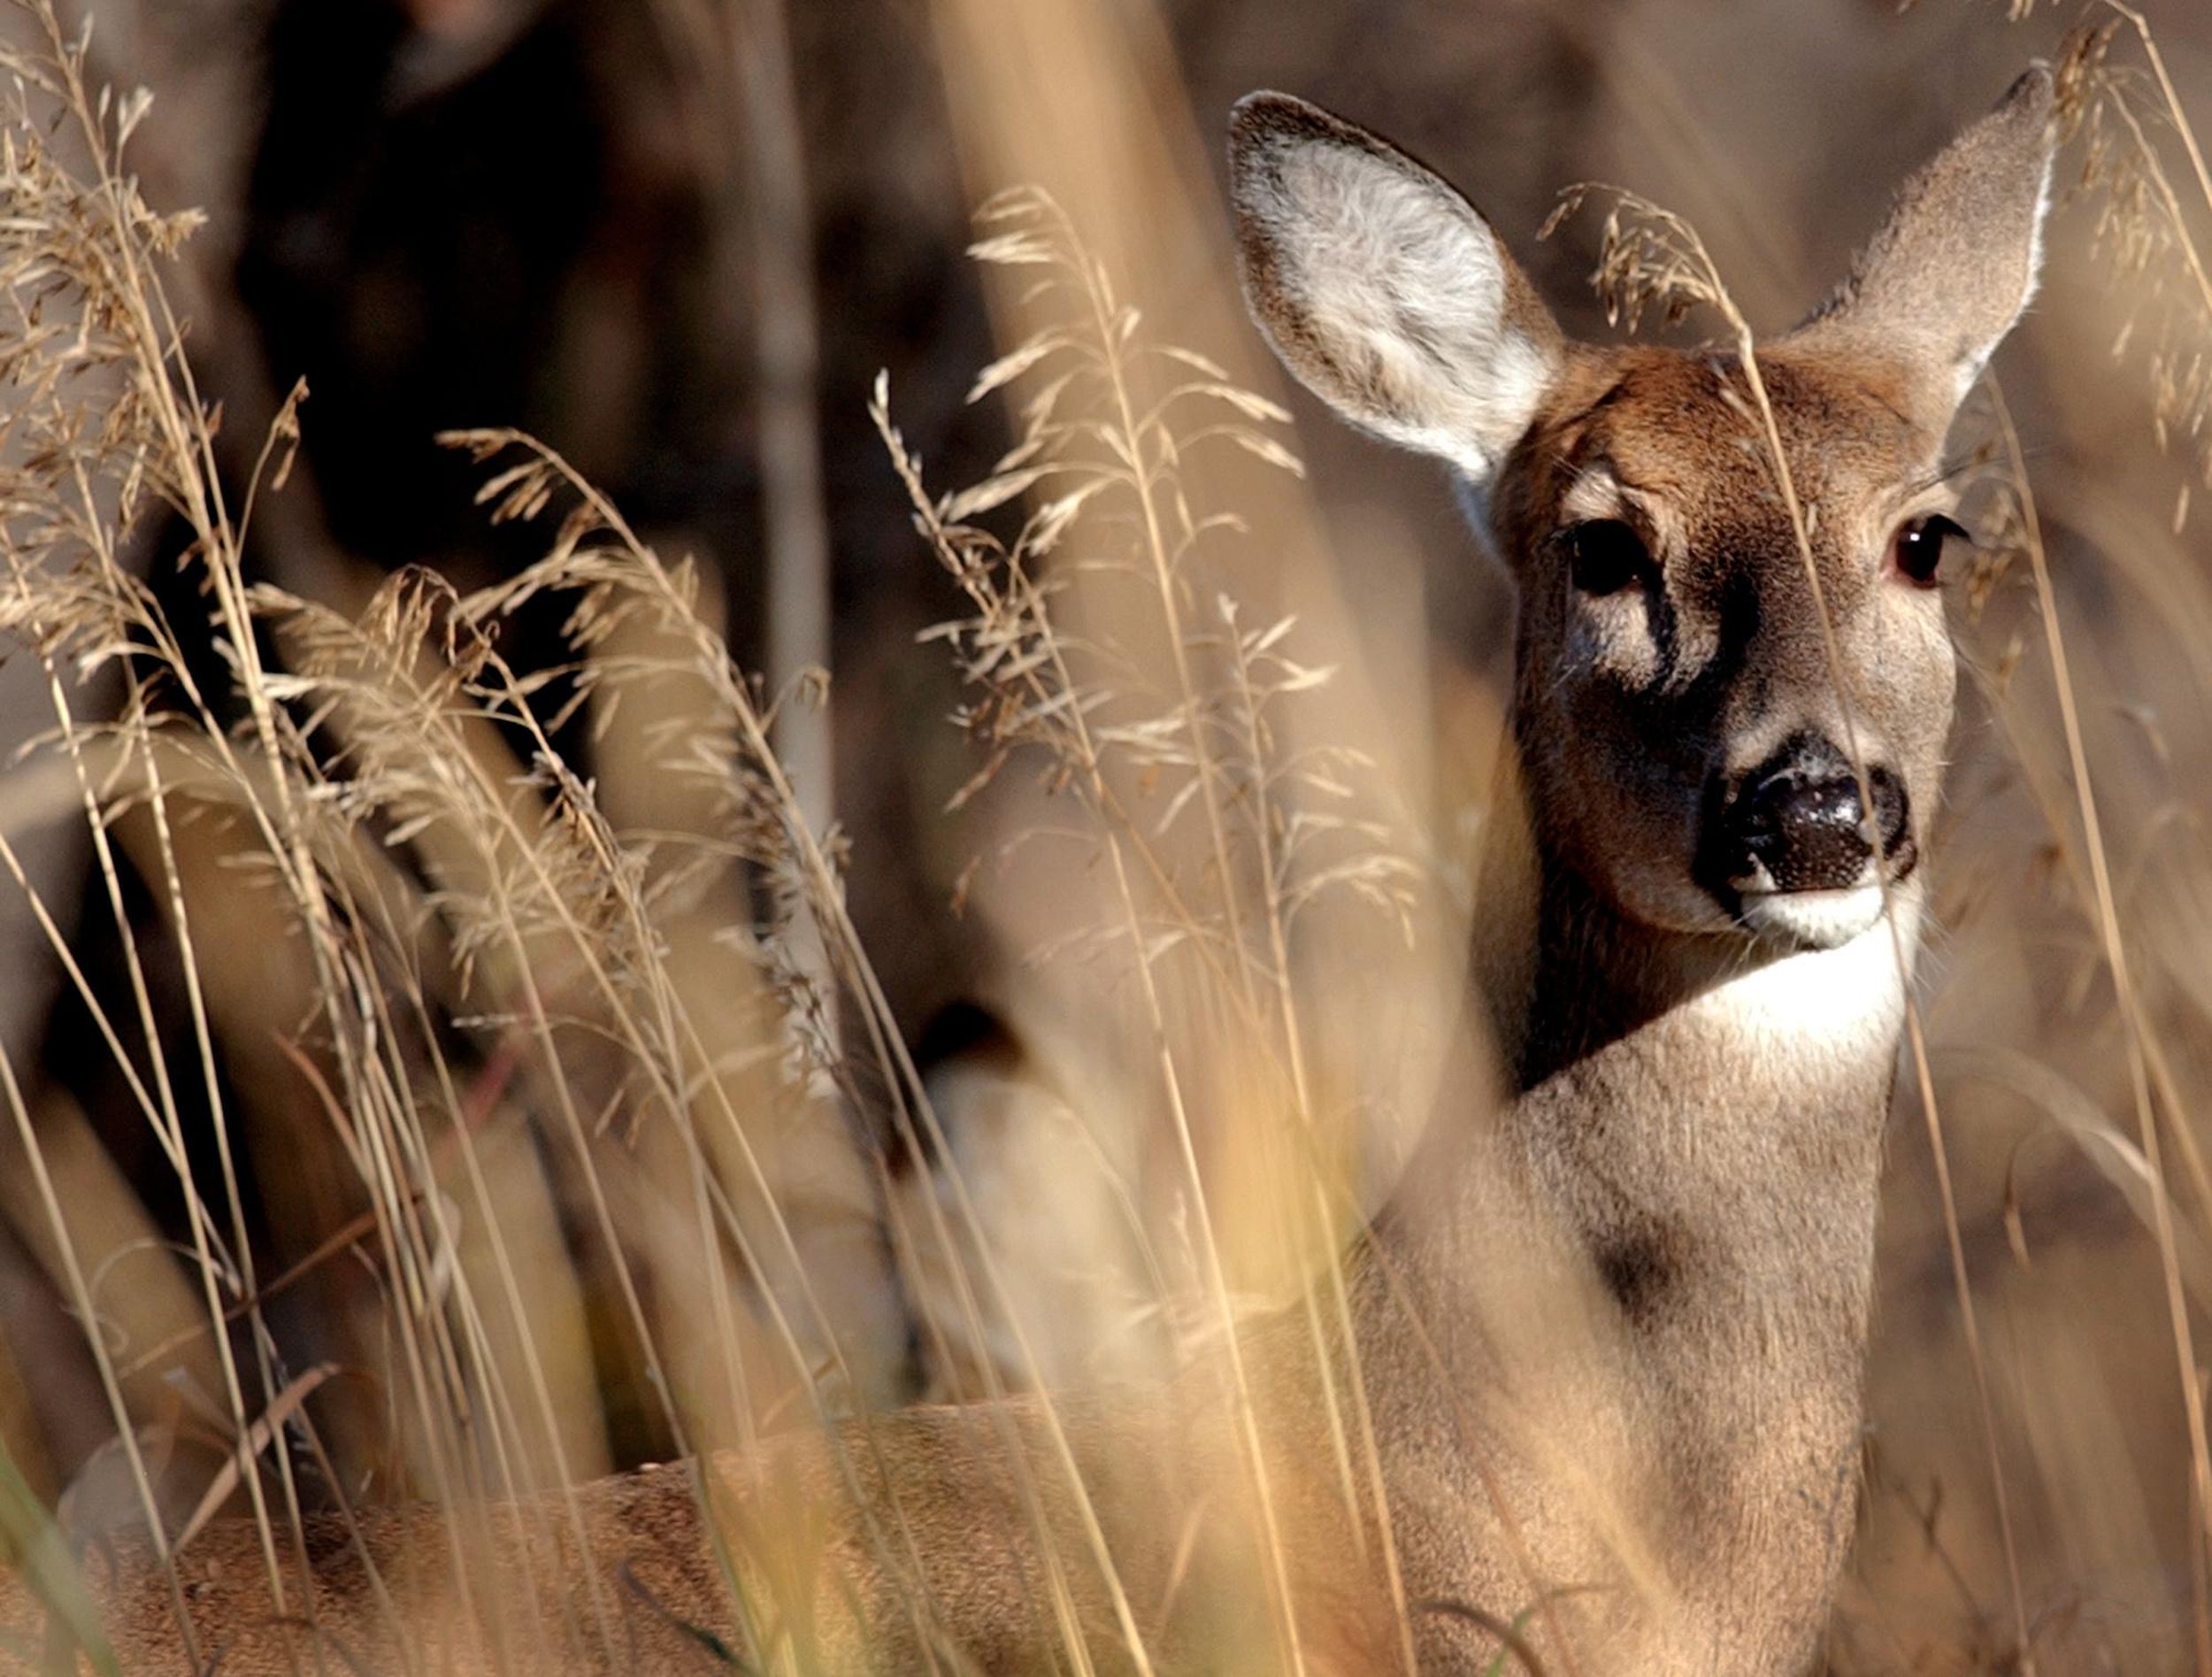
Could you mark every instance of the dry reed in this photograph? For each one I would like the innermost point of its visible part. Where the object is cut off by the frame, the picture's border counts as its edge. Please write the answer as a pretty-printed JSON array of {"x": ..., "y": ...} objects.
[{"x": 491, "y": 997}]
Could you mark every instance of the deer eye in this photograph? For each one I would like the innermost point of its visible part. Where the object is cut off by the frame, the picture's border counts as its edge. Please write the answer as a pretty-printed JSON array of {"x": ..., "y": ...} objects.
[
  {"x": 1916, "y": 550},
  {"x": 1604, "y": 555}
]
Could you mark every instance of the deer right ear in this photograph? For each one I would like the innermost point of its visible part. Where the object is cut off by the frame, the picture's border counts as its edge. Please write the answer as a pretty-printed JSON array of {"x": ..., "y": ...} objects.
[
  {"x": 1947, "y": 275},
  {"x": 1382, "y": 289}
]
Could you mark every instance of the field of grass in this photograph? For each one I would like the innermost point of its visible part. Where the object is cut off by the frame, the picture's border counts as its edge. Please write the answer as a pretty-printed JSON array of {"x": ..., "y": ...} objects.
[{"x": 462, "y": 1020}]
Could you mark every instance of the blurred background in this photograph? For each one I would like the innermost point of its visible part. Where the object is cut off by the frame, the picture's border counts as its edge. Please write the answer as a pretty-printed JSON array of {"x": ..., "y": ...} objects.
[{"x": 677, "y": 239}]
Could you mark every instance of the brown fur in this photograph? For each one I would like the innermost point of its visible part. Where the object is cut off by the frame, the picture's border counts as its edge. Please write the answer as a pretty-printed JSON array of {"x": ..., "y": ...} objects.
[{"x": 1613, "y": 1339}]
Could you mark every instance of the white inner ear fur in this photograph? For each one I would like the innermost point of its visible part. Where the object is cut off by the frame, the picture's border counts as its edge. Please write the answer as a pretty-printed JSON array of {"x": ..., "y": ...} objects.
[{"x": 1405, "y": 289}]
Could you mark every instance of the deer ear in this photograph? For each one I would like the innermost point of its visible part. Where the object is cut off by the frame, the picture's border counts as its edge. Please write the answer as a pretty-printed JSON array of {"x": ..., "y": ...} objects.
[
  {"x": 1382, "y": 289},
  {"x": 1940, "y": 286}
]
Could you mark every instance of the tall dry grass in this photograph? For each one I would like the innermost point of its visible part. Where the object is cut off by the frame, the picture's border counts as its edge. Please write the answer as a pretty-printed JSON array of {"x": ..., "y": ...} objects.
[
  {"x": 476, "y": 1007},
  {"x": 473, "y": 1008},
  {"x": 564, "y": 1107}
]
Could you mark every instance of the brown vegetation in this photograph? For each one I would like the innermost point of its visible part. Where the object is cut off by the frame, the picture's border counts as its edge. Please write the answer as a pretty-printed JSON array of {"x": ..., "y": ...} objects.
[{"x": 512, "y": 1090}]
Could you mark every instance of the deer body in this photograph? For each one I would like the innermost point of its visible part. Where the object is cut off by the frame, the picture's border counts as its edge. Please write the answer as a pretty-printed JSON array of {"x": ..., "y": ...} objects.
[{"x": 1699, "y": 909}]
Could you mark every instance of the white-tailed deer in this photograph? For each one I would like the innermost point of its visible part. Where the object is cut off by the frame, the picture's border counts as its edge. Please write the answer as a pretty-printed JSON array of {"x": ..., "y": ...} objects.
[{"x": 1699, "y": 933}]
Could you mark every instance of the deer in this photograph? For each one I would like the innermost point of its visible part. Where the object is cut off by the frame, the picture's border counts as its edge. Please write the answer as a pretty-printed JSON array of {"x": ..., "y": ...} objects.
[{"x": 1699, "y": 916}]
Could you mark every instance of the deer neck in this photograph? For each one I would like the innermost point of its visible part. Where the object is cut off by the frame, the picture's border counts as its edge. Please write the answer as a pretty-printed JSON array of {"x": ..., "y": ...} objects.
[
  {"x": 1684, "y": 1169},
  {"x": 1729, "y": 1092},
  {"x": 1702, "y": 1117}
]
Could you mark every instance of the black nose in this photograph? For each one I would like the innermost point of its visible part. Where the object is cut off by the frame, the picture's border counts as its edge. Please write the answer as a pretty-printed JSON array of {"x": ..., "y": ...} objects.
[{"x": 1796, "y": 823}]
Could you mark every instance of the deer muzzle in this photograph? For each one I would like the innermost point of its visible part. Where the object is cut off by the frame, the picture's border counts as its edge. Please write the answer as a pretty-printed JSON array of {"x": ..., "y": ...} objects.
[{"x": 1791, "y": 851}]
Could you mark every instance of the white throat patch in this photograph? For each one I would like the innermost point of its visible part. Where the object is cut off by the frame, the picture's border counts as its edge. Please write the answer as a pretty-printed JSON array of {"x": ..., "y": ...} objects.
[{"x": 1839, "y": 1000}]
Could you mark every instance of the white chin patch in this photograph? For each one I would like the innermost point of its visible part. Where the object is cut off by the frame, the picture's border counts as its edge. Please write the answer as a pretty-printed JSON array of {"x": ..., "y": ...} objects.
[{"x": 1813, "y": 920}]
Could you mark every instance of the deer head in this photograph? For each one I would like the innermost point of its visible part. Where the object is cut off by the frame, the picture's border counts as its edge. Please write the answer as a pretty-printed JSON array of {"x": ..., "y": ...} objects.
[{"x": 1687, "y": 748}]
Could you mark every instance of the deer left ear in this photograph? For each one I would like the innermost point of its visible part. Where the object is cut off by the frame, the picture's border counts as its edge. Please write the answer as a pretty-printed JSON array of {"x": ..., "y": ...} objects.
[
  {"x": 1383, "y": 290},
  {"x": 1939, "y": 287}
]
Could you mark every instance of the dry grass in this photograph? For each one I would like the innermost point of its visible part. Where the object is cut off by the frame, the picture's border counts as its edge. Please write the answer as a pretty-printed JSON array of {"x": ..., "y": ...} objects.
[{"x": 571, "y": 1102}]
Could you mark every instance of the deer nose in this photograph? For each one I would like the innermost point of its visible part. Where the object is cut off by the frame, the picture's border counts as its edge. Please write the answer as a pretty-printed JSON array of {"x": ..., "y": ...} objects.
[{"x": 1797, "y": 823}]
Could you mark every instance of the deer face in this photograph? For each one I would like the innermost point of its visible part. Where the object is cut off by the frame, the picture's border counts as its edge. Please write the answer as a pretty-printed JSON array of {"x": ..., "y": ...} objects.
[
  {"x": 1685, "y": 743},
  {"x": 1717, "y": 735}
]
